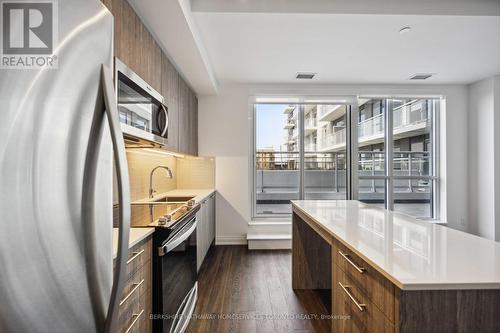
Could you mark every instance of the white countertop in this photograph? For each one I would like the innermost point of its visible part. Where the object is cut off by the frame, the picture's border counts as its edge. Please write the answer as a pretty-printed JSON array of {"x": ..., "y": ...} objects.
[
  {"x": 136, "y": 235},
  {"x": 198, "y": 194},
  {"x": 413, "y": 254}
]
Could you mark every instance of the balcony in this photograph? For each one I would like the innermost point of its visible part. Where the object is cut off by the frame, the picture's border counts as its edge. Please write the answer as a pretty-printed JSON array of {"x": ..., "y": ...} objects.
[
  {"x": 371, "y": 130},
  {"x": 310, "y": 124},
  {"x": 289, "y": 124},
  {"x": 330, "y": 112},
  {"x": 333, "y": 141},
  {"x": 277, "y": 178},
  {"x": 409, "y": 120},
  {"x": 289, "y": 109},
  {"x": 311, "y": 147}
]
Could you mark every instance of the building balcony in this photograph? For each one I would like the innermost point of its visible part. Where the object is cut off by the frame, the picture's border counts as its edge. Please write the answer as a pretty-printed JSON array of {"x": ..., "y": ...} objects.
[
  {"x": 330, "y": 112},
  {"x": 289, "y": 124},
  {"x": 289, "y": 109},
  {"x": 310, "y": 125},
  {"x": 333, "y": 141},
  {"x": 311, "y": 147}
]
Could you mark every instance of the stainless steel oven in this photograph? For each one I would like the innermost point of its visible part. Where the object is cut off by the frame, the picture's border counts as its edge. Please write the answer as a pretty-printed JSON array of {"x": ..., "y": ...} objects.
[
  {"x": 175, "y": 287},
  {"x": 142, "y": 109}
]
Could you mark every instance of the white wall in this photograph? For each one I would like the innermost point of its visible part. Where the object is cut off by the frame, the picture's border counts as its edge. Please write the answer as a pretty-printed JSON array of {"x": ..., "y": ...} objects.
[
  {"x": 484, "y": 161},
  {"x": 225, "y": 132}
]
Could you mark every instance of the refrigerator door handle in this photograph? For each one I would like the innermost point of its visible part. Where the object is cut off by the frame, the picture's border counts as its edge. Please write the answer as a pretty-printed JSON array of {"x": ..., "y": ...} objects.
[{"x": 120, "y": 159}]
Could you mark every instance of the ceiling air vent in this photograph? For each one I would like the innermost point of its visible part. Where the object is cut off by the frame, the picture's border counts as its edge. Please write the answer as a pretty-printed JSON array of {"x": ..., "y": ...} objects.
[
  {"x": 307, "y": 76},
  {"x": 421, "y": 76}
]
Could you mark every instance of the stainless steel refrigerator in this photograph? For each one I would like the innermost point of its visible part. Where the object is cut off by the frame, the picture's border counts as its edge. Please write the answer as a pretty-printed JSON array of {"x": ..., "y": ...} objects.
[{"x": 59, "y": 140}]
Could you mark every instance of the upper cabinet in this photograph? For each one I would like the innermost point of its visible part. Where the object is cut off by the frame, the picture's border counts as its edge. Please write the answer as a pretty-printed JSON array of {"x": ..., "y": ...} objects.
[{"x": 136, "y": 47}]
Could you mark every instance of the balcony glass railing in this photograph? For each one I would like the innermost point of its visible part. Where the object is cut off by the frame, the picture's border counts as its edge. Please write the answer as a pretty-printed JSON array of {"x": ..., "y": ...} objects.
[
  {"x": 408, "y": 115},
  {"x": 311, "y": 147},
  {"x": 371, "y": 126},
  {"x": 310, "y": 122},
  {"x": 370, "y": 163},
  {"x": 333, "y": 139}
]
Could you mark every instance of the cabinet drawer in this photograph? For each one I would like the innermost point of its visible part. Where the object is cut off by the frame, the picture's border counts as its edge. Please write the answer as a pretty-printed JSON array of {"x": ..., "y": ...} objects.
[
  {"x": 364, "y": 316},
  {"x": 134, "y": 316},
  {"x": 137, "y": 284},
  {"x": 138, "y": 255},
  {"x": 365, "y": 279}
]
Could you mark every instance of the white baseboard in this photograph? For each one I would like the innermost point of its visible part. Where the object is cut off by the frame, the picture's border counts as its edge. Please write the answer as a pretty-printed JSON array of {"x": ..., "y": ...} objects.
[{"x": 231, "y": 240}]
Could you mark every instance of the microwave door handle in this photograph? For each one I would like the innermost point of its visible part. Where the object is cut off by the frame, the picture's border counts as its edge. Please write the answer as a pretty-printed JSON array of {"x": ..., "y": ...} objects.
[
  {"x": 120, "y": 159},
  {"x": 178, "y": 239},
  {"x": 165, "y": 111}
]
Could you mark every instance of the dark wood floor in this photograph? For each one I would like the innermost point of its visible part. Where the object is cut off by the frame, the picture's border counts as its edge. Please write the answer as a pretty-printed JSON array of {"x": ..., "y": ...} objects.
[{"x": 250, "y": 291}]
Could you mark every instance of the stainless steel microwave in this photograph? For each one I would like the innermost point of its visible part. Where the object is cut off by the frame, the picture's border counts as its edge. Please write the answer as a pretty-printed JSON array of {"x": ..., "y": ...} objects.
[{"x": 142, "y": 109}]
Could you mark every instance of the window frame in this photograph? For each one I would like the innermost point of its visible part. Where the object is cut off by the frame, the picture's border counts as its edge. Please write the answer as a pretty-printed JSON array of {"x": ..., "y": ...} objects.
[{"x": 352, "y": 121}]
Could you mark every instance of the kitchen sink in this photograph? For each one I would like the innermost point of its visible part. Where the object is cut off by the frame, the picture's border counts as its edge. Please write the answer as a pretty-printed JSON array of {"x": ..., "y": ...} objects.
[
  {"x": 163, "y": 201},
  {"x": 173, "y": 199}
]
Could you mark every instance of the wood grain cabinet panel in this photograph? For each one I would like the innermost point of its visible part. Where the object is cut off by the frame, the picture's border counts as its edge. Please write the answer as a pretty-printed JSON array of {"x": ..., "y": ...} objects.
[
  {"x": 170, "y": 91},
  {"x": 370, "y": 282},
  {"x": 183, "y": 117},
  {"x": 369, "y": 319},
  {"x": 370, "y": 299},
  {"x": 135, "y": 46},
  {"x": 137, "y": 297}
]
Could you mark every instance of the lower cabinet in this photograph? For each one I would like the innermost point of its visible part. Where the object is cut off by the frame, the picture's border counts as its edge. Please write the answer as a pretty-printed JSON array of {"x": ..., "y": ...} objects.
[
  {"x": 136, "y": 299},
  {"x": 205, "y": 230}
]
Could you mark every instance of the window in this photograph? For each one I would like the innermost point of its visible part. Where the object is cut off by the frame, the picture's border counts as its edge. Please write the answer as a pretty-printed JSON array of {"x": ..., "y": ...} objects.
[
  {"x": 299, "y": 154},
  {"x": 396, "y": 167},
  {"x": 301, "y": 151}
]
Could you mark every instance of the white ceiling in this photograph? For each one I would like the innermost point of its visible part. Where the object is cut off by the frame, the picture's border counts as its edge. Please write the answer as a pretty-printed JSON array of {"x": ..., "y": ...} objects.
[
  {"x": 344, "y": 41},
  {"x": 172, "y": 25},
  {"x": 348, "y": 48}
]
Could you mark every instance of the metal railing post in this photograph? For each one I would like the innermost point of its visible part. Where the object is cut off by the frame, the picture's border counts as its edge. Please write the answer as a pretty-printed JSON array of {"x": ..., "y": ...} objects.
[
  {"x": 374, "y": 189},
  {"x": 410, "y": 171},
  {"x": 336, "y": 172}
]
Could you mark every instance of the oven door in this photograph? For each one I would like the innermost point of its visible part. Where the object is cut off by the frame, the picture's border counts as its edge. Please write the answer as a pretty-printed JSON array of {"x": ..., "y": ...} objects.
[{"x": 178, "y": 268}]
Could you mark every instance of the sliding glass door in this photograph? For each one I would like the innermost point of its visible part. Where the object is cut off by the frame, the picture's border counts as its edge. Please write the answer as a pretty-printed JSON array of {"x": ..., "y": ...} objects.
[
  {"x": 381, "y": 151},
  {"x": 300, "y": 153},
  {"x": 277, "y": 158}
]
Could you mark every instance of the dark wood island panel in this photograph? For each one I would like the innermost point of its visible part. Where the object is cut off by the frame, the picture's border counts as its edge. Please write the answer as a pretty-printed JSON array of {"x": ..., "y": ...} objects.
[{"x": 371, "y": 299}]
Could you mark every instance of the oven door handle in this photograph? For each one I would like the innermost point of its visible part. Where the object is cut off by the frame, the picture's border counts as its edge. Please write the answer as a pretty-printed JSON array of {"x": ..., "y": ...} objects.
[
  {"x": 183, "y": 234},
  {"x": 185, "y": 311}
]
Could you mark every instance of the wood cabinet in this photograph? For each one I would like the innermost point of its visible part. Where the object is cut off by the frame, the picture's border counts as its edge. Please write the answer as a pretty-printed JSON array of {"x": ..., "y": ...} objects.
[
  {"x": 169, "y": 89},
  {"x": 135, "y": 46},
  {"x": 205, "y": 230},
  {"x": 136, "y": 299},
  {"x": 365, "y": 300}
]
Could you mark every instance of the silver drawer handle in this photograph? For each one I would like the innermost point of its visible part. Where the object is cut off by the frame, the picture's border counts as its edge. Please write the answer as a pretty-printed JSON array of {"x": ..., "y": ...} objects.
[
  {"x": 360, "y": 306},
  {"x": 136, "y": 317},
  {"x": 135, "y": 255},
  {"x": 346, "y": 257},
  {"x": 136, "y": 285}
]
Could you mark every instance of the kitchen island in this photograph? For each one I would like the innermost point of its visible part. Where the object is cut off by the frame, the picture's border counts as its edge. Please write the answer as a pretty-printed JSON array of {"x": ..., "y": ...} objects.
[{"x": 386, "y": 271}]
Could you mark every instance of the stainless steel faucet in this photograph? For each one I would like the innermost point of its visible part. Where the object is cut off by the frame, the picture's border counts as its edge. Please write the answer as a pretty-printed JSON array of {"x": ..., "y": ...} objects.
[{"x": 169, "y": 174}]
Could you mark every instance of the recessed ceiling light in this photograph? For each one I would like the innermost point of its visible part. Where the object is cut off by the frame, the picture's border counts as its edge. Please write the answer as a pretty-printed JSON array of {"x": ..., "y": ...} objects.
[
  {"x": 307, "y": 76},
  {"x": 404, "y": 30}
]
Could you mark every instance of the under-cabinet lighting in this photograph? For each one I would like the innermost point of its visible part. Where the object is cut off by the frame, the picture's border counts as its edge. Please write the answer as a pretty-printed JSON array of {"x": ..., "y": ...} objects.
[{"x": 162, "y": 152}]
